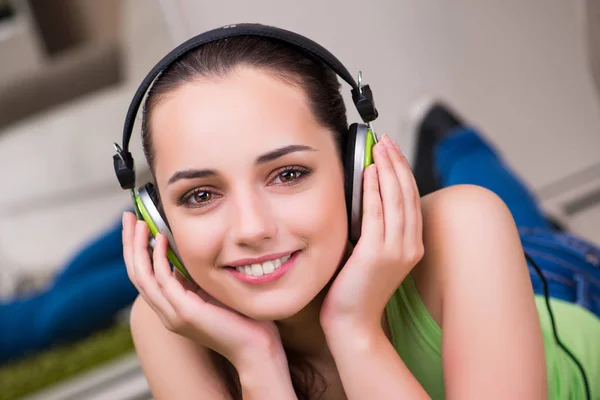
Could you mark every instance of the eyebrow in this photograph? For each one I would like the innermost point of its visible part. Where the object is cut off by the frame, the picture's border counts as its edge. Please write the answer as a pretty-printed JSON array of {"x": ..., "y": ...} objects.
[{"x": 262, "y": 159}]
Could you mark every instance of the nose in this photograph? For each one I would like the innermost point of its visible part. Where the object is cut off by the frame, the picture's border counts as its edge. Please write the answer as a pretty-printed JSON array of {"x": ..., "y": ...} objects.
[{"x": 253, "y": 223}]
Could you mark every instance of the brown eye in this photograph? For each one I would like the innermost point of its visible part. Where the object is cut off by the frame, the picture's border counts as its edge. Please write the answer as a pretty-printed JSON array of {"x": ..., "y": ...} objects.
[
  {"x": 202, "y": 196},
  {"x": 291, "y": 175},
  {"x": 288, "y": 176},
  {"x": 198, "y": 198}
]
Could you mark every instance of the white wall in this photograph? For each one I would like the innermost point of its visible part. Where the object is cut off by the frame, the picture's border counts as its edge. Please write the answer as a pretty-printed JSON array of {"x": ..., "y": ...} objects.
[
  {"x": 518, "y": 68},
  {"x": 593, "y": 34}
]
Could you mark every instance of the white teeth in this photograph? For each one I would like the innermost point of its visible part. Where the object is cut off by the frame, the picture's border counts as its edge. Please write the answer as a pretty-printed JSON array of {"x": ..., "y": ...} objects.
[
  {"x": 263, "y": 269},
  {"x": 268, "y": 267},
  {"x": 257, "y": 270}
]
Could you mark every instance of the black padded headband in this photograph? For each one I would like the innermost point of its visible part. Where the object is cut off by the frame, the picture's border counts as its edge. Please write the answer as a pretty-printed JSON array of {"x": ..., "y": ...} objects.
[{"x": 361, "y": 95}]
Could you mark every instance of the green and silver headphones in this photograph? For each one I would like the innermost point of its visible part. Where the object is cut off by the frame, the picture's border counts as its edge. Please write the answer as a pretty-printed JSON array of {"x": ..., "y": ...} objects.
[{"x": 360, "y": 137}]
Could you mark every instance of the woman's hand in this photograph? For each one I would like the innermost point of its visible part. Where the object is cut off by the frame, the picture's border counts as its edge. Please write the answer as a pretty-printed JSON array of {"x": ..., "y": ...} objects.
[
  {"x": 391, "y": 244},
  {"x": 189, "y": 311}
]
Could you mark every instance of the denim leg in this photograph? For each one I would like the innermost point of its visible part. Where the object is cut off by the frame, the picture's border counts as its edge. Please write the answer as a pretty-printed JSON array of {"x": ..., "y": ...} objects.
[
  {"x": 66, "y": 313},
  {"x": 464, "y": 157},
  {"x": 105, "y": 248}
]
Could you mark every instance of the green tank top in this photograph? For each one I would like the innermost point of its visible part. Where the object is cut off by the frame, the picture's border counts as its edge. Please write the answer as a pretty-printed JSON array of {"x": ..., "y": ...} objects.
[{"x": 418, "y": 340}]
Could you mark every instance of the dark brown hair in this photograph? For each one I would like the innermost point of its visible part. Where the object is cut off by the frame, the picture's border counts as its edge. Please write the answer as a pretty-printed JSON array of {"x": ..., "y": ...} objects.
[
  {"x": 282, "y": 61},
  {"x": 293, "y": 66}
]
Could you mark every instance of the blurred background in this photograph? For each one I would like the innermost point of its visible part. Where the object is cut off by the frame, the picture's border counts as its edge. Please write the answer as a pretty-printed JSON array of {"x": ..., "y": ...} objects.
[{"x": 524, "y": 71}]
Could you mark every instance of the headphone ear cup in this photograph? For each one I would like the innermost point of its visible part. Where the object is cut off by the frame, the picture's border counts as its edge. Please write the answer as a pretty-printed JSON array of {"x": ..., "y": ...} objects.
[
  {"x": 147, "y": 207},
  {"x": 359, "y": 155}
]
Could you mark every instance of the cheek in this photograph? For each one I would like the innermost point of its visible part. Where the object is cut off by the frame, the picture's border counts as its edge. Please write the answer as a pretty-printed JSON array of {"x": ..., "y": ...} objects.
[
  {"x": 198, "y": 245},
  {"x": 323, "y": 212},
  {"x": 317, "y": 216}
]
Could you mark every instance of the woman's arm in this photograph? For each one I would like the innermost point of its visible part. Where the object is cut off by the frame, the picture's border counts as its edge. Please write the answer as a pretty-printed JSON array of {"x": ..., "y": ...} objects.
[
  {"x": 477, "y": 287},
  {"x": 491, "y": 336},
  {"x": 177, "y": 368},
  {"x": 370, "y": 367},
  {"x": 174, "y": 367}
]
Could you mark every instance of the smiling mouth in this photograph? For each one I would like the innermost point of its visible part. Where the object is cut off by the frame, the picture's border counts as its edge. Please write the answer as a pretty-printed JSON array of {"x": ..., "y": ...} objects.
[{"x": 265, "y": 268}]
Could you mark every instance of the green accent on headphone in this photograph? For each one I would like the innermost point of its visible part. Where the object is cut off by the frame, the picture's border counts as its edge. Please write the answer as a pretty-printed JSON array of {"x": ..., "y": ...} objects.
[
  {"x": 369, "y": 143},
  {"x": 369, "y": 148},
  {"x": 154, "y": 230}
]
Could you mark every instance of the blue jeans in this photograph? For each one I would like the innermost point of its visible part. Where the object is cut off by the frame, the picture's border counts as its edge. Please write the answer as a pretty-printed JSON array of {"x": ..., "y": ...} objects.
[
  {"x": 91, "y": 289},
  {"x": 570, "y": 264}
]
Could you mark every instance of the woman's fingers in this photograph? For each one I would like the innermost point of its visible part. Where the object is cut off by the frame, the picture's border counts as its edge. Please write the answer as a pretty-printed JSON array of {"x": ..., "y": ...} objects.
[
  {"x": 391, "y": 195},
  {"x": 372, "y": 220},
  {"x": 129, "y": 220},
  {"x": 144, "y": 274},
  {"x": 162, "y": 268},
  {"x": 413, "y": 220},
  {"x": 185, "y": 303},
  {"x": 171, "y": 297},
  {"x": 170, "y": 286},
  {"x": 408, "y": 185}
]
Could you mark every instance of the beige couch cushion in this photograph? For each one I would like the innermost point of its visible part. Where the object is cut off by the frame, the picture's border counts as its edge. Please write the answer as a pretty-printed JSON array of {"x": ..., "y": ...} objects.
[{"x": 58, "y": 184}]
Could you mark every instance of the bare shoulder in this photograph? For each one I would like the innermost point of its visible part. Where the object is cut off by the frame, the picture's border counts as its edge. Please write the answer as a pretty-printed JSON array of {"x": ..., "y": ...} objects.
[
  {"x": 475, "y": 283},
  {"x": 175, "y": 367},
  {"x": 461, "y": 223},
  {"x": 458, "y": 218},
  {"x": 467, "y": 204}
]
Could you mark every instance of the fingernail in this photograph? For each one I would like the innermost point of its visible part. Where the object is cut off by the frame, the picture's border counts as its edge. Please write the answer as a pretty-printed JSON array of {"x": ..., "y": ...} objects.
[
  {"x": 373, "y": 168},
  {"x": 381, "y": 148},
  {"x": 388, "y": 141}
]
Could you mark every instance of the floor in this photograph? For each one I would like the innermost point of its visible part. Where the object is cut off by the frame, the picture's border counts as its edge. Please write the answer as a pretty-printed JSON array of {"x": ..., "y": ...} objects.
[{"x": 121, "y": 379}]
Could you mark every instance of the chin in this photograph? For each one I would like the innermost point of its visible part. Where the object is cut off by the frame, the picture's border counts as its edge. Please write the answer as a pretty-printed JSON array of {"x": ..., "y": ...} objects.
[{"x": 276, "y": 310}]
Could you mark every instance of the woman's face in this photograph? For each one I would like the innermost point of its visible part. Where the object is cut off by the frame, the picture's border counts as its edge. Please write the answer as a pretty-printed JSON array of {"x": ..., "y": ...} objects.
[{"x": 247, "y": 177}]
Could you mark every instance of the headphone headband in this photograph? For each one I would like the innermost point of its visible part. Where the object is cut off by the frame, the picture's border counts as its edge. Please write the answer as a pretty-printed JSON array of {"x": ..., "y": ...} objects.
[{"x": 361, "y": 95}]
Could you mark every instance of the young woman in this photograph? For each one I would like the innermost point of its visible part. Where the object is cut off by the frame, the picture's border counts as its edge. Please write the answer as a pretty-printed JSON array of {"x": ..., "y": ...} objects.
[{"x": 245, "y": 140}]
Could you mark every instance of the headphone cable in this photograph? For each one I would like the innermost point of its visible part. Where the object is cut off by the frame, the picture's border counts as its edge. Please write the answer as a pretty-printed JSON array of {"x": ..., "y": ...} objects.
[{"x": 555, "y": 330}]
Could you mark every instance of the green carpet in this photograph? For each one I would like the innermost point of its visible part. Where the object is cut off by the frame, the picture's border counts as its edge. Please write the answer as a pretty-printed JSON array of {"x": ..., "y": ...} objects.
[{"x": 39, "y": 371}]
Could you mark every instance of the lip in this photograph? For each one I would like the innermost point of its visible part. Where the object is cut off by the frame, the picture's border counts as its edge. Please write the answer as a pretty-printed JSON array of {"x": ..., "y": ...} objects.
[
  {"x": 259, "y": 260},
  {"x": 277, "y": 274}
]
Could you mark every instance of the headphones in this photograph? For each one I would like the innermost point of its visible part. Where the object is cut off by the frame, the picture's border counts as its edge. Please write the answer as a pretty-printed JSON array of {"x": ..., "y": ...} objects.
[{"x": 360, "y": 137}]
